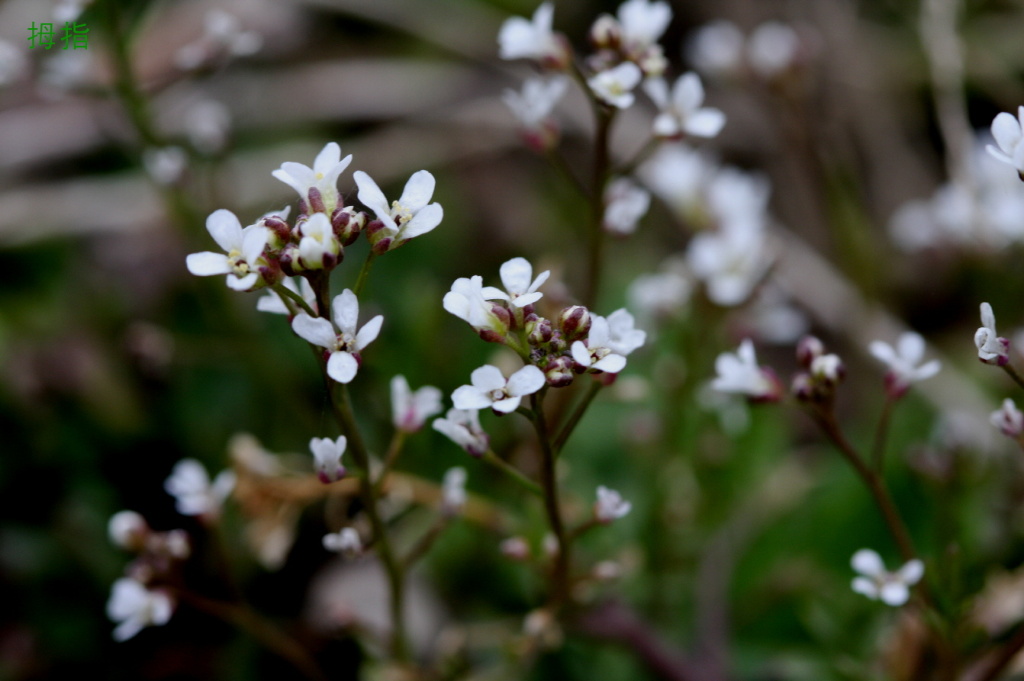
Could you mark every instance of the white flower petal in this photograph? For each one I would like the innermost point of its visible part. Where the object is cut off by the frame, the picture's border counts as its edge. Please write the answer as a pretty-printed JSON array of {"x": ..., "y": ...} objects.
[
  {"x": 371, "y": 196},
  {"x": 705, "y": 123},
  {"x": 425, "y": 220},
  {"x": 207, "y": 263},
  {"x": 342, "y": 367},
  {"x": 345, "y": 311},
  {"x": 868, "y": 563},
  {"x": 516, "y": 274},
  {"x": 526, "y": 381},
  {"x": 315, "y": 330},
  {"x": 507, "y": 405},
  {"x": 894, "y": 593},
  {"x": 245, "y": 283},
  {"x": 225, "y": 229},
  {"x": 418, "y": 191},
  {"x": 487, "y": 378},
  {"x": 369, "y": 332},
  {"x": 470, "y": 397}
]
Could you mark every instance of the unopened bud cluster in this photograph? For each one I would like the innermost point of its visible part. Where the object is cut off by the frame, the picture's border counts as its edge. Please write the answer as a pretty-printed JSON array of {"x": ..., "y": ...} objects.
[{"x": 822, "y": 374}]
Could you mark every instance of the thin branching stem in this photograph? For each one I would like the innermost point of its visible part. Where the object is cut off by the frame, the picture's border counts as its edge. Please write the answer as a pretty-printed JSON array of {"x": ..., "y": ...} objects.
[
  {"x": 364, "y": 272},
  {"x": 881, "y": 433},
  {"x": 549, "y": 483},
  {"x": 289, "y": 295},
  {"x": 574, "y": 418},
  {"x": 1012, "y": 373},
  {"x": 508, "y": 469}
]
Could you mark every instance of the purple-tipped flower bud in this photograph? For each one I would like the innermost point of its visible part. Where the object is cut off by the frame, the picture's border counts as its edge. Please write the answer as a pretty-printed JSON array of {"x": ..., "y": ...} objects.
[
  {"x": 1009, "y": 420},
  {"x": 316, "y": 201},
  {"x": 808, "y": 349},
  {"x": 347, "y": 224},
  {"x": 279, "y": 227},
  {"x": 803, "y": 387},
  {"x": 539, "y": 331},
  {"x": 606, "y": 32},
  {"x": 828, "y": 369},
  {"x": 559, "y": 372},
  {"x": 574, "y": 321}
]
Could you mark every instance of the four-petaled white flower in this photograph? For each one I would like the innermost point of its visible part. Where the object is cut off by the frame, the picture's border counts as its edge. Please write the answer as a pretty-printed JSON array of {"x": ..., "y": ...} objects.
[
  {"x": 610, "y": 505},
  {"x": 534, "y": 103},
  {"x": 133, "y": 607},
  {"x": 408, "y": 217},
  {"x": 623, "y": 337},
  {"x": 319, "y": 247},
  {"x": 271, "y": 302},
  {"x": 991, "y": 348},
  {"x": 243, "y": 248},
  {"x": 643, "y": 22},
  {"x": 190, "y": 485},
  {"x": 614, "y": 86},
  {"x": 730, "y": 262},
  {"x": 519, "y": 290},
  {"x": 327, "y": 454},
  {"x": 344, "y": 347},
  {"x": 323, "y": 177},
  {"x": 903, "y": 361},
  {"x": 410, "y": 410},
  {"x": 453, "y": 490},
  {"x": 624, "y": 204},
  {"x": 533, "y": 39},
  {"x": 740, "y": 373},
  {"x": 346, "y": 540},
  {"x": 1008, "y": 419},
  {"x": 681, "y": 110},
  {"x": 491, "y": 389},
  {"x": 597, "y": 353},
  {"x": 1009, "y": 135},
  {"x": 462, "y": 426},
  {"x": 469, "y": 301},
  {"x": 877, "y": 583}
]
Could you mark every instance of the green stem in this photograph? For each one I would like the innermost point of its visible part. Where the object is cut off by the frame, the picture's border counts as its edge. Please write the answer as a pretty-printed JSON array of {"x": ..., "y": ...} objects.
[
  {"x": 577, "y": 414},
  {"x": 549, "y": 483},
  {"x": 364, "y": 272},
  {"x": 513, "y": 472},
  {"x": 1008, "y": 368},
  {"x": 286, "y": 294},
  {"x": 881, "y": 432},
  {"x": 421, "y": 547},
  {"x": 597, "y": 235},
  {"x": 394, "y": 451}
]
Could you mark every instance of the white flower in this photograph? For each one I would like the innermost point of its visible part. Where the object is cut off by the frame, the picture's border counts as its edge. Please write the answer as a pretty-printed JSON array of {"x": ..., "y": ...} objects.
[
  {"x": 327, "y": 454},
  {"x": 491, "y": 389},
  {"x": 642, "y": 23},
  {"x": 677, "y": 174},
  {"x": 207, "y": 124},
  {"x": 346, "y": 540},
  {"x": 222, "y": 34},
  {"x": 903, "y": 361},
  {"x": 772, "y": 48},
  {"x": 165, "y": 165},
  {"x": 243, "y": 248},
  {"x": 344, "y": 347},
  {"x": 453, "y": 494},
  {"x": 190, "y": 485},
  {"x": 133, "y": 607},
  {"x": 875, "y": 582},
  {"x": 740, "y": 373},
  {"x": 128, "y": 530},
  {"x": 663, "y": 293},
  {"x": 623, "y": 338},
  {"x": 991, "y": 348},
  {"x": 682, "y": 110},
  {"x": 323, "y": 177},
  {"x": 596, "y": 353},
  {"x": 1009, "y": 135},
  {"x": 730, "y": 262},
  {"x": 410, "y": 410},
  {"x": 534, "y": 103},
  {"x": 1009, "y": 420},
  {"x": 469, "y": 301},
  {"x": 615, "y": 85},
  {"x": 408, "y": 217},
  {"x": 462, "y": 426},
  {"x": 271, "y": 302},
  {"x": 318, "y": 247},
  {"x": 610, "y": 505},
  {"x": 624, "y": 204},
  {"x": 522, "y": 39},
  {"x": 738, "y": 199},
  {"x": 516, "y": 275},
  {"x": 717, "y": 49}
]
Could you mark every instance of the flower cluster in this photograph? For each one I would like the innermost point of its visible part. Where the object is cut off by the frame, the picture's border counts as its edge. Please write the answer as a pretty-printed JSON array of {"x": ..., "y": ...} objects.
[{"x": 771, "y": 51}]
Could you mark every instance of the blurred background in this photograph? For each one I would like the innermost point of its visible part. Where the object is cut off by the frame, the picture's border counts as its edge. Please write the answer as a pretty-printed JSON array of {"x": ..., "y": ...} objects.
[{"x": 865, "y": 118}]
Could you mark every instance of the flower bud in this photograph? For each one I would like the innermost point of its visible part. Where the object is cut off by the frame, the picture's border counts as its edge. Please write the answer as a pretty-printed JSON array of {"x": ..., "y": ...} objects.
[
  {"x": 128, "y": 530},
  {"x": 279, "y": 228},
  {"x": 574, "y": 321},
  {"x": 606, "y": 32},
  {"x": 347, "y": 223},
  {"x": 828, "y": 369},
  {"x": 515, "y": 548},
  {"x": 559, "y": 372},
  {"x": 1009, "y": 420},
  {"x": 316, "y": 201},
  {"x": 539, "y": 331},
  {"x": 808, "y": 349}
]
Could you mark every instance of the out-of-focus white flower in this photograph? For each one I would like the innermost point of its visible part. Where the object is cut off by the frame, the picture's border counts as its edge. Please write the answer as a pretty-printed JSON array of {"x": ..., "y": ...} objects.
[
  {"x": 194, "y": 494},
  {"x": 991, "y": 348},
  {"x": 534, "y": 39},
  {"x": 128, "y": 530},
  {"x": 774, "y": 317},
  {"x": 717, "y": 49},
  {"x": 738, "y": 199},
  {"x": 520, "y": 291},
  {"x": 642, "y": 24},
  {"x": 681, "y": 110},
  {"x": 133, "y": 607},
  {"x": 13, "y": 63},
  {"x": 453, "y": 490},
  {"x": 533, "y": 104},
  {"x": 661, "y": 294},
  {"x": 469, "y": 301},
  {"x": 346, "y": 540},
  {"x": 491, "y": 389},
  {"x": 327, "y": 454},
  {"x": 410, "y": 410},
  {"x": 243, "y": 248},
  {"x": 462, "y": 426},
  {"x": 271, "y": 302},
  {"x": 623, "y": 337},
  {"x": 902, "y": 362},
  {"x": 207, "y": 124},
  {"x": 610, "y": 505},
  {"x": 222, "y": 35},
  {"x": 597, "y": 354},
  {"x": 1009, "y": 135},
  {"x": 322, "y": 177},
  {"x": 344, "y": 347},
  {"x": 408, "y": 217},
  {"x": 1008, "y": 419},
  {"x": 66, "y": 71},
  {"x": 875, "y": 582},
  {"x": 678, "y": 175},
  {"x": 772, "y": 48},
  {"x": 730, "y": 262},
  {"x": 740, "y": 373},
  {"x": 624, "y": 204},
  {"x": 165, "y": 165},
  {"x": 614, "y": 86}
]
